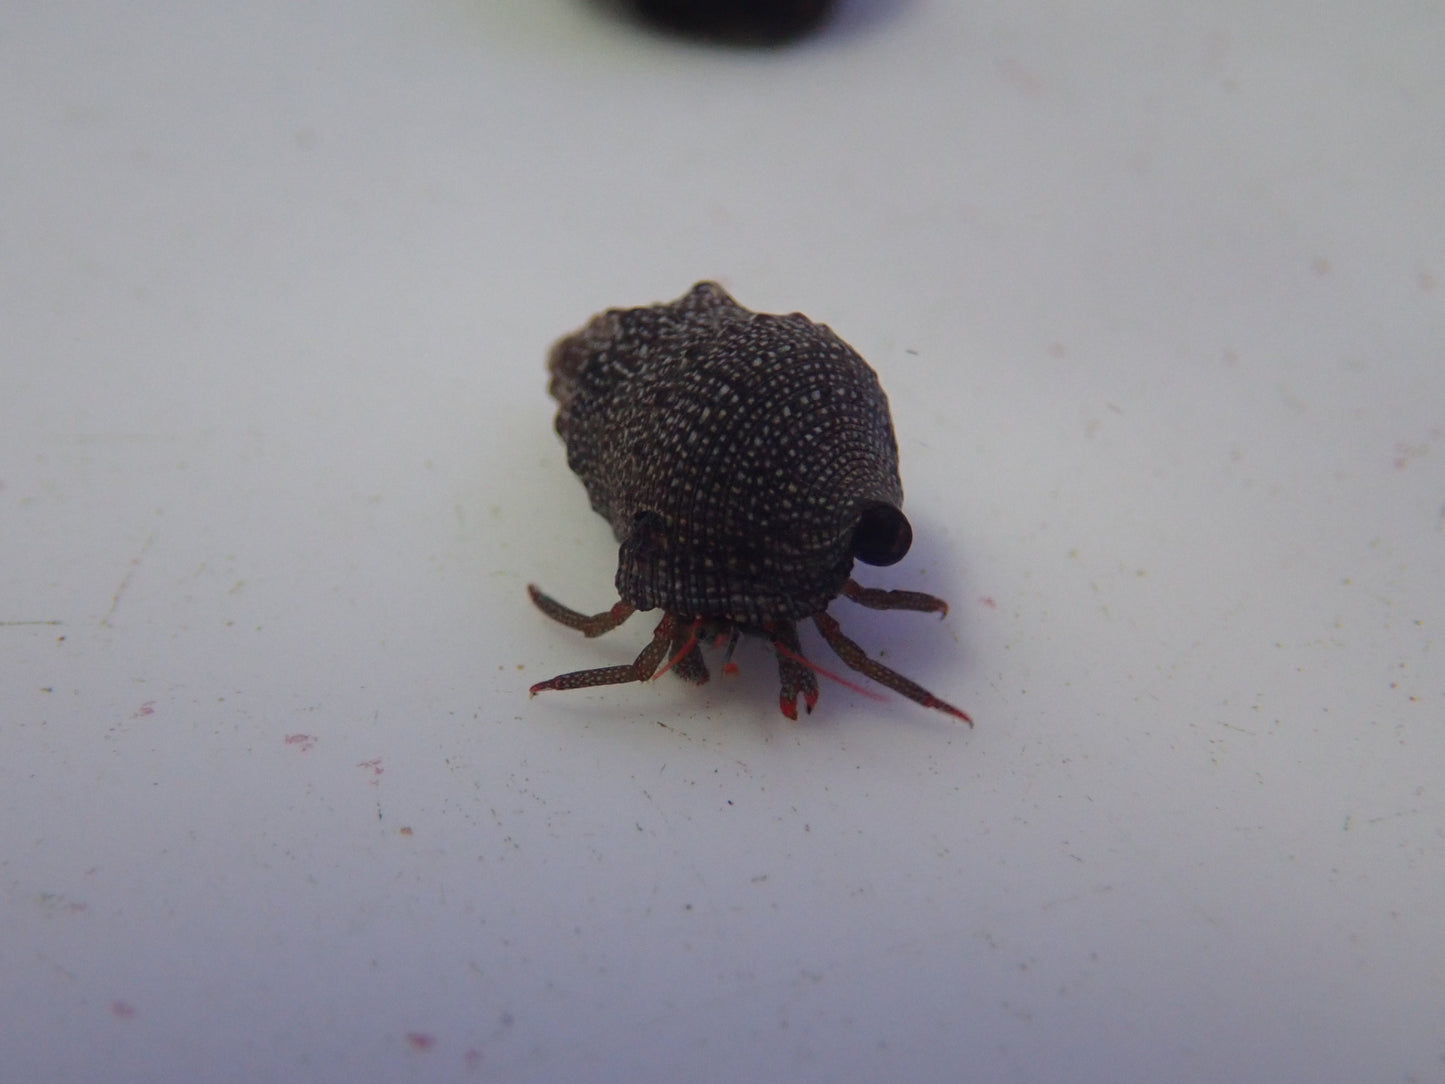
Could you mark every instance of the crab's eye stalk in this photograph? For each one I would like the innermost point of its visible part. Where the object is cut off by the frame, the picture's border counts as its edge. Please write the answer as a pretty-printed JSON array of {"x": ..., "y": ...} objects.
[{"x": 882, "y": 536}]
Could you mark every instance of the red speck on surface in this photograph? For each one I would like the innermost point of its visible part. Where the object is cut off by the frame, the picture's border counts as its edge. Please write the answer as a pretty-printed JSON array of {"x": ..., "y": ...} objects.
[
  {"x": 376, "y": 769},
  {"x": 148, "y": 708},
  {"x": 472, "y": 1059},
  {"x": 988, "y": 600},
  {"x": 1406, "y": 453},
  {"x": 405, "y": 831},
  {"x": 420, "y": 1040},
  {"x": 122, "y": 1009},
  {"x": 303, "y": 741}
]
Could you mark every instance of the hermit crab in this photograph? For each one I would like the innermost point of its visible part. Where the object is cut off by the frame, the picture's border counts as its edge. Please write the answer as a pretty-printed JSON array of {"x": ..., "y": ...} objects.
[{"x": 745, "y": 461}]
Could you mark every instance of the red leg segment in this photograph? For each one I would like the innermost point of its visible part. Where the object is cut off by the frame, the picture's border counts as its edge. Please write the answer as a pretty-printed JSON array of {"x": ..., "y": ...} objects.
[
  {"x": 792, "y": 671},
  {"x": 587, "y": 624},
  {"x": 685, "y": 656},
  {"x": 642, "y": 668},
  {"x": 875, "y": 598},
  {"x": 858, "y": 660}
]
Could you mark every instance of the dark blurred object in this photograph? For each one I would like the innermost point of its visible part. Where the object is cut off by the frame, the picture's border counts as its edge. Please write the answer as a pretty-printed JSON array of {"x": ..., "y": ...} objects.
[{"x": 757, "y": 22}]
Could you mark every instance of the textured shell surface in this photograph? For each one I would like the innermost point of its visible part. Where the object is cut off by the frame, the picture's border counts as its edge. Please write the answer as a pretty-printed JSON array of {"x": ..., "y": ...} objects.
[{"x": 732, "y": 452}]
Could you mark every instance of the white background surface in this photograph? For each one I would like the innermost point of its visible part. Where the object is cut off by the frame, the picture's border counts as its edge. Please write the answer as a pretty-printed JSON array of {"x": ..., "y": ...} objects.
[{"x": 1158, "y": 294}]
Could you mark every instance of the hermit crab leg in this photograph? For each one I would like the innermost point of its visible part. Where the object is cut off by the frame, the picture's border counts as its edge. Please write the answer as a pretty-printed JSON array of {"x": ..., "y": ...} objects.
[
  {"x": 684, "y": 656},
  {"x": 875, "y": 598},
  {"x": 640, "y": 669},
  {"x": 793, "y": 672},
  {"x": 588, "y": 624},
  {"x": 855, "y": 657},
  {"x": 731, "y": 639}
]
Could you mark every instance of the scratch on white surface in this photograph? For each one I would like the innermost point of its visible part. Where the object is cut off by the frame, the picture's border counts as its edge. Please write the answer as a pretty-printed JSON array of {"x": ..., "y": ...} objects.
[{"x": 125, "y": 581}]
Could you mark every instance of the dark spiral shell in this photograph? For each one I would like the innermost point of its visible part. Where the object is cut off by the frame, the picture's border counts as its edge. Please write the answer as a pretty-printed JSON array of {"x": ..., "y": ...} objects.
[
  {"x": 742, "y": 21},
  {"x": 743, "y": 459}
]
